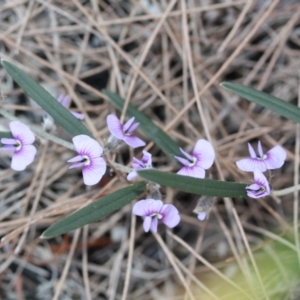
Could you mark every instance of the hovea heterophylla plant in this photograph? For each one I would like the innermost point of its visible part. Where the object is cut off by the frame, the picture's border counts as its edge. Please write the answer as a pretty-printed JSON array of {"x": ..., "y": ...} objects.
[{"x": 93, "y": 159}]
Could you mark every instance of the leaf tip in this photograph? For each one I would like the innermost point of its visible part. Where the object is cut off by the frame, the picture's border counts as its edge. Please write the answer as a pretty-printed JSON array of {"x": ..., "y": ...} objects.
[
  {"x": 44, "y": 236},
  {"x": 3, "y": 61}
]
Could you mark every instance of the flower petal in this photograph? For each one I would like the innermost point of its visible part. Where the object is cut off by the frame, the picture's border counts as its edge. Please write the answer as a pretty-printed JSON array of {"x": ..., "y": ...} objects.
[
  {"x": 147, "y": 207},
  {"x": 154, "y": 223},
  {"x": 261, "y": 186},
  {"x": 65, "y": 100},
  {"x": 182, "y": 160},
  {"x": 77, "y": 115},
  {"x": 275, "y": 158},
  {"x": 22, "y": 158},
  {"x": 21, "y": 132},
  {"x": 140, "y": 208},
  {"x": 205, "y": 154},
  {"x": 133, "y": 127},
  {"x": 202, "y": 215},
  {"x": 171, "y": 217},
  {"x": 115, "y": 127},
  {"x": 187, "y": 155},
  {"x": 251, "y": 151},
  {"x": 128, "y": 124},
  {"x": 8, "y": 141},
  {"x": 93, "y": 173},
  {"x": 133, "y": 141},
  {"x": 147, "y": 224},
  {"x": 60, "y": 98},
  {"x": 195, "y": 171},
  {"x": 261, "y": 179},
  {"x": 147, "y": 158},
  {"x": 75, "y": 159},
  {"x": 85, "y": 145},
  {"x": 132, "y": 175},
  {"x": 250, "y": 164},
  {"x": 260, "y": 150}
]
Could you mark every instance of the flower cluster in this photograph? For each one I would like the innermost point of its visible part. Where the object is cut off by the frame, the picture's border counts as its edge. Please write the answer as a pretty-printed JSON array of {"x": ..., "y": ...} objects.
[
  {"x": 93, "y": 165},
  {"x": 194, "y": 165},
  {"x": 259, "y": 163}
]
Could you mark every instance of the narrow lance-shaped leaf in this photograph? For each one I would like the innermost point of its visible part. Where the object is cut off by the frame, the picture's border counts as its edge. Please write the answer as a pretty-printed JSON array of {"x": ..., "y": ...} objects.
[
  {"x": 167, "y": 145},
  {"x": 46, "y": 101},
  {"x": 5, "y": 134},
  {"x": 96, "y": 210},
  {"x": 193, "y": 185},
  {"x": 281, "y": 107}
]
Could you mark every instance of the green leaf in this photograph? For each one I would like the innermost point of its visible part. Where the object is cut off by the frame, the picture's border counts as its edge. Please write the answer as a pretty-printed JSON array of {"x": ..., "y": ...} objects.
[
  {"x": 193, "y": 185},
  {"x": 281, "y": 107},
  {"x": 47, "y": 102},
  {"x": 95, "y": 210},
  {"x": 167, "y": 145},
  {"x": 5, "y": 134}
]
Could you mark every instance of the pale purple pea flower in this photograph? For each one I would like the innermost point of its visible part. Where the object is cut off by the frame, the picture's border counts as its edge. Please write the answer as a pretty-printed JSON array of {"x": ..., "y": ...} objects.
[
  {"x": 203, "y": 207},
  {"x": 124, "y": 132},
  {"x": 273, "y": 159},
  {"x": 145, "y": 163},
  {"x": 64, "y": 100},
  {"x": 155, "y": 210},
  {"x": 89, "y": 159},
  {"x": 260, "y": 187},
  {"x": 201, "y": 159},
  {"x": 21, "y": 145}
]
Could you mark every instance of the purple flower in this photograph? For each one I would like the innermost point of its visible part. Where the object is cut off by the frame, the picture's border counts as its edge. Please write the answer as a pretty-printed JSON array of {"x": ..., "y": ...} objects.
[
  {"x": 203, "y": 207},
  {"x": 201, "y": 159},
  {"x": 273, "y": 159},
  {"x": 145, "y": 163},
  {"x": 260, "y": 187},
  {"x": 21, "y": 145},
  {"x": 64, "y": 100},
  {"x": 89, "y": 159},
  {"x": 202, "y": 215},
  {"x": 154, "y": 210},
  {"x": 124, "y": 132}
]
